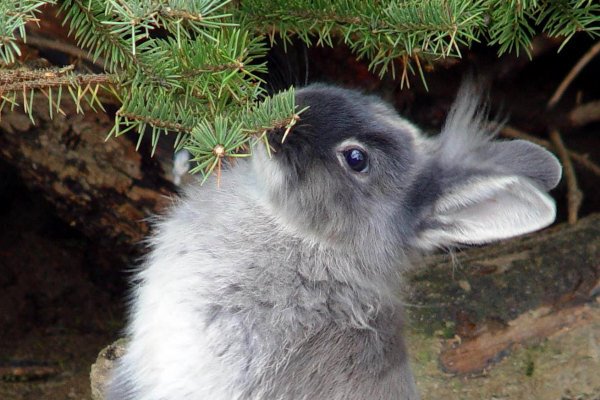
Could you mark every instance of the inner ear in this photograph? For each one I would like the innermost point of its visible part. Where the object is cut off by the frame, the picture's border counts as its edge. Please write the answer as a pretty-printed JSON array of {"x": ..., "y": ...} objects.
[{"x": 488, "y": 209}]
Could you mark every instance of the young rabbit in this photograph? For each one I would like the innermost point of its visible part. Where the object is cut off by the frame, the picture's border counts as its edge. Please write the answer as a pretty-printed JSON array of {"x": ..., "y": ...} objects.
[{"x": 284, "y": 281}]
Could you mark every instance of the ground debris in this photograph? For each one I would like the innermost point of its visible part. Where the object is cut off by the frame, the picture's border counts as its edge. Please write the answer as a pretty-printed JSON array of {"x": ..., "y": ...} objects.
[{"x": 27, "y": 370}]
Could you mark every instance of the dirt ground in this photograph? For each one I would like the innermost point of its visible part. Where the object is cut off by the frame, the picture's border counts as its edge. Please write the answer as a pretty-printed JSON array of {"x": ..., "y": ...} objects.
[
  {"x": 57, "y": 317},
  {"x": 566, "y": 366}
]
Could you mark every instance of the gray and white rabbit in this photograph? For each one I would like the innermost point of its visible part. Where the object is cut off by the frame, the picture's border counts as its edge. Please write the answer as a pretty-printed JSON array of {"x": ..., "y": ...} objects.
[{"x": 285, "y": 281}]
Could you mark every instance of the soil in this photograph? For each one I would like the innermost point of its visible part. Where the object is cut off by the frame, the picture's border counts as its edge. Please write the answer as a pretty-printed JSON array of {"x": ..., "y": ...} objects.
[
  {"x": 565, "y": 366},
  {"x": 57, "y": 307}
]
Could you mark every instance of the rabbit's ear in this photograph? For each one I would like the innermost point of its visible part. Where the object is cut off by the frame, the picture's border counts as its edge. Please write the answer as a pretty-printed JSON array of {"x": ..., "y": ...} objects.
[
  {"x": 467, "y": 142},
  {"x": 523, "y": 158},
  {"x": 485, "y": 209},
  {"x": 478, "y": 189}
]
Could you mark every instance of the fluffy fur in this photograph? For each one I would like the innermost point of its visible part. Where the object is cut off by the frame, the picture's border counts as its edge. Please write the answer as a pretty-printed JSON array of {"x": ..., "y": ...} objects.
[{"x": 285, "y": 281}]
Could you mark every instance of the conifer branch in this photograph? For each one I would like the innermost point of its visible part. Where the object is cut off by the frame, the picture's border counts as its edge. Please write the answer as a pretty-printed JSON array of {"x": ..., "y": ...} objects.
[
  {"x": 194, "y": 67},
  {"x": 32, "y": 80},
  {"x": 13, "y": 17},
  {"x": 167, "y": 125},
  {"x": 23, "y": 83}
]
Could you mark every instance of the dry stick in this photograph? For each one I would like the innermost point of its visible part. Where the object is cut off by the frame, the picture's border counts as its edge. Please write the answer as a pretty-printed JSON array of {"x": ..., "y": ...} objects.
[
  {"x": 585, "y": 113},
  {"x": 26, "y": 371},
  {"x": 591, "y": 53},
  {"x": 574, "y": 195},
  {"x": 54, "y": 79},
  {"x": 40, "y": 42},
  {"x": 581, "y": 159},
  {"x": 509, "y": 131}
]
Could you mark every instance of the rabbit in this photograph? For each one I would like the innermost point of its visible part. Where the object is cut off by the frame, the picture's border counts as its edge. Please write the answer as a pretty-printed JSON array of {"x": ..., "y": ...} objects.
[{"x": 285, "y": 281}]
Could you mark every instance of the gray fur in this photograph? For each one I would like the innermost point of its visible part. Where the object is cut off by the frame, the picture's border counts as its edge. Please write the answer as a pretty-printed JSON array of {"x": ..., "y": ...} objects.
[{"x": 285, "y": 281}]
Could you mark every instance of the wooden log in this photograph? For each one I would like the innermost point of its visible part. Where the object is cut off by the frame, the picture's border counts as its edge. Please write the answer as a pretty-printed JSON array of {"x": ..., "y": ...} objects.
[
  {"x": 475, "y": 355},
  {"x": 105, "y": 188},
  {"x": 102, "y": 368},
  {"x": 487, "y": 301}
]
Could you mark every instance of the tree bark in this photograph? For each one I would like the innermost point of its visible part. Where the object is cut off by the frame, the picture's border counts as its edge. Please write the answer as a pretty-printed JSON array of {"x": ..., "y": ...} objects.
[
  {"x": 486, "y": 301},
  {"x": 105, "y": 188}
]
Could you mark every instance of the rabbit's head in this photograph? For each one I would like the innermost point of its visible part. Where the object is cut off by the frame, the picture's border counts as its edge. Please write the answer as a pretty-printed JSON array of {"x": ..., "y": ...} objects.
[{"x": 353, "y": 173}]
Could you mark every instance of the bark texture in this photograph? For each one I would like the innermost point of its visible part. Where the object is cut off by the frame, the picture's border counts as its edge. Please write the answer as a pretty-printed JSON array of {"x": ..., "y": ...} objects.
[
  {"x": 489, "y": 300},
  {"x": 103, "y": 187}
]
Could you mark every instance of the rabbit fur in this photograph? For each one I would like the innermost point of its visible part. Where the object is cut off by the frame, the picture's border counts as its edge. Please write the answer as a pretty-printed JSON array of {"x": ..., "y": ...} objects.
[{"x": 285, "y": 281}]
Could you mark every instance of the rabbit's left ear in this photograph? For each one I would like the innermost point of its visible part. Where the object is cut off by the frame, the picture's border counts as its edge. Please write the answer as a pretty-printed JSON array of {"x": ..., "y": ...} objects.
[
  {"x": 477, "y": 189},
  {"x": 487, "y": 208}
]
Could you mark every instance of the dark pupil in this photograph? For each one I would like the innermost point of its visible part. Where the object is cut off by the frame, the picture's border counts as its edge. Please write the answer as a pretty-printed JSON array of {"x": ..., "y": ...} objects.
[{"x": 356, "y": 159}]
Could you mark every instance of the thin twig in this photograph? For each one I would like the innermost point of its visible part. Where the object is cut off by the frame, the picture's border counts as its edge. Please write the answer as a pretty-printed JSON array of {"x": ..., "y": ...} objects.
[
  {"x": 511, "y": 132},
  {"x": 574, "y": 195},
  {"x": 584, "y": 161},
  {"x": 26, "y": 74},
  {"x": 26, "y": 370},
  {"x": 74, "y": 51},
  {"x": 581, "y": 159},
  {"x": 585, "y": 113},
  {"x": 591, "y": 53},
  {"x": 54, "y": 80},
  {"x": 173, "y": 126}
]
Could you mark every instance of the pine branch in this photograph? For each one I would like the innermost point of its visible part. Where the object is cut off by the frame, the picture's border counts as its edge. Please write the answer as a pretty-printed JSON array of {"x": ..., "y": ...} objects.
[
  {"x": 14, "y": 14},
  {"x": 379, "y": 32},
  {"x": 511, "y": 27},
  {"x": 229, "y": 136},
  {"x": 193, "y": 67},
  {"x": 91, "y": 27},
  {"x": 211, "y": 80},
  {"x": 24, "y": 83},
  {"x": 567, "y": 17}
]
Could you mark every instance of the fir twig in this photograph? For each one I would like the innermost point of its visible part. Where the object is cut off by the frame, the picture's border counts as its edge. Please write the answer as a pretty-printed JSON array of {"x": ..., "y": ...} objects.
[
  {"x": 225, "y": 137},
  {"x": 52, "y": 79},
  {"x": 169, "y": 126},
  {"x": 66, "y": 48}
]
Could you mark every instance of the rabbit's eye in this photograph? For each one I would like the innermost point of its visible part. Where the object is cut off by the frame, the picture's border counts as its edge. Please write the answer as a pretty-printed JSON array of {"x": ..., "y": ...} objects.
[{"x": 357, "y": 160}]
